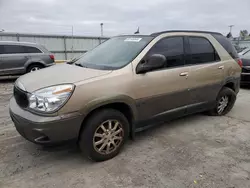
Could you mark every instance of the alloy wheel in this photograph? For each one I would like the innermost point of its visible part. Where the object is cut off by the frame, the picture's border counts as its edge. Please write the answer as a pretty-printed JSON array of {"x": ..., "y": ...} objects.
[
  {"x": 222, "y": 104},
  {"x": 108, "y": 137}
]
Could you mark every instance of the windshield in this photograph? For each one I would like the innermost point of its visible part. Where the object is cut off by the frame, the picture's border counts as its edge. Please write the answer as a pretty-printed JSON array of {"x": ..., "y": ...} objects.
[
  {"x": 114, "y": 53},
  {"x": 244, "y": 51}
]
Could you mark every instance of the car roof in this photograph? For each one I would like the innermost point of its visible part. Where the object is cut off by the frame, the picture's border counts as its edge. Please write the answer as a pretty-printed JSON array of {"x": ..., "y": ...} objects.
[
  {"x": 30, "y": 44},
  {"x": 184, "y": 31}
]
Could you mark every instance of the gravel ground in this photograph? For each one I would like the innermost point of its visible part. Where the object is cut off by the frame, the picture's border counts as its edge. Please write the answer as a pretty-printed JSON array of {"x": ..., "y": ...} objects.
[{"x": 195, "y": 151}]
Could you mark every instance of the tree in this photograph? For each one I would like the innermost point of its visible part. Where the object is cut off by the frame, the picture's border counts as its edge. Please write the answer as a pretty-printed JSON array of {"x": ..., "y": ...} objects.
[{"x": 243, "y": 34}]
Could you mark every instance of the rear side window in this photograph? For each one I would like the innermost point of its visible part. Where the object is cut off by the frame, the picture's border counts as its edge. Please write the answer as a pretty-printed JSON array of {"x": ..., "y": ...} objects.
[
  {"x": 13, "y": 49},
  {"x": 227, "y": 45},
  {"x": 201, "y": 51},
  {"x": 28, "y": 49},
  {"x": 172, "y": 48},
  {"x": 1, "y": 49}
]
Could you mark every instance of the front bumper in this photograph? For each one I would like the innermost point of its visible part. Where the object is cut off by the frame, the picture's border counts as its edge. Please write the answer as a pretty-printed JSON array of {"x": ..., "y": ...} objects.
[
  {"x": 245, "y": 78},
  {"x": 45, "y": 130}
]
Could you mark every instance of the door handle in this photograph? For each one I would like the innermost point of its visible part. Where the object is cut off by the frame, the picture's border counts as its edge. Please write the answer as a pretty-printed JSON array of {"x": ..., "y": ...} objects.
[
  {"x": 221, "y": 67},
  {"x": 184, "y": 74}
]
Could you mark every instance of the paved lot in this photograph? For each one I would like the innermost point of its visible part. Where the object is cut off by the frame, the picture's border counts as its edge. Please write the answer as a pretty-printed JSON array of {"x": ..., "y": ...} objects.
[{"x": 195, "y": 151}]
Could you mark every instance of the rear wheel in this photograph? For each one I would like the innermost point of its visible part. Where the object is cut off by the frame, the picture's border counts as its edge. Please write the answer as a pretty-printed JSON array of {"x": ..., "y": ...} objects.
[
  {"x": 224, "y": 102},
  {"x": 33, "y": 68},
  {"x": 104, "y": 134}
]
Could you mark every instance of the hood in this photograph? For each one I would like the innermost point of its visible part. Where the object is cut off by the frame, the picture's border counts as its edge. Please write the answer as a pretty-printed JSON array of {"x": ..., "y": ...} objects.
[{"x": 57, "y": 74}]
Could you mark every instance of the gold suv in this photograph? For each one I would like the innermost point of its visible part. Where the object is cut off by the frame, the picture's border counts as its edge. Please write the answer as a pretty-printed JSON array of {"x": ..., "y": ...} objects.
[{"x": 125, "y": 85}]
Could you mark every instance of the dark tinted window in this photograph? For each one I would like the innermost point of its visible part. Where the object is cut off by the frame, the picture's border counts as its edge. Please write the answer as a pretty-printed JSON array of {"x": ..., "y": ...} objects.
[
  {"x": 1, "y": 49},
  {"x": 201, "y": 51},
  {"x": 28, "y": 49},
  {"x": 13, "y": 49},
  {"x": 227, "y": 45},
  {"x": 172, "y": 49}
]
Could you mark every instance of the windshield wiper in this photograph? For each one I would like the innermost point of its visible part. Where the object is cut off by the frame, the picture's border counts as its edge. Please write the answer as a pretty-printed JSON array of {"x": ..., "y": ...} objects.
[{"x": 80, "y": 65}]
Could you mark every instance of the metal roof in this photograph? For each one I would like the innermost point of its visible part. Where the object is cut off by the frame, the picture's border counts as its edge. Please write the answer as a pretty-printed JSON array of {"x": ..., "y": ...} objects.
[
  {"x": 50, "y": 35},
  {"x": 17, "y": 42}
]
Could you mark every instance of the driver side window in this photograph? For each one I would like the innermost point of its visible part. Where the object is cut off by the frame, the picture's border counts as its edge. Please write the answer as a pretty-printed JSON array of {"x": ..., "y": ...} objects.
[{"x": 172, "y": 48}]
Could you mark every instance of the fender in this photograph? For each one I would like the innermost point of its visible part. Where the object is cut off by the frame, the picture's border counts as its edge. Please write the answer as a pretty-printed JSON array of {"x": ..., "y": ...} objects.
[{"x": 102, "y": 101}]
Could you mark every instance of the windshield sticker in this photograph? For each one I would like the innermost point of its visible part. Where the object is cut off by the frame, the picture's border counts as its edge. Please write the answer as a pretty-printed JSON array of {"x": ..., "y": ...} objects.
[{"x": 132, "y": 39}]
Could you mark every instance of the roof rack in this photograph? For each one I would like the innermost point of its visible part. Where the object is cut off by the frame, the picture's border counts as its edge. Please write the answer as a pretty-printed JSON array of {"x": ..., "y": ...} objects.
[{"x": 190, "y": 31}]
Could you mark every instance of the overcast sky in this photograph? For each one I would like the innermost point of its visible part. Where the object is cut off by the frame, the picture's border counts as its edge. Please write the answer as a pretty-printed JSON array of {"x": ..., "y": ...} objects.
[{"x": 122, "y": 17}]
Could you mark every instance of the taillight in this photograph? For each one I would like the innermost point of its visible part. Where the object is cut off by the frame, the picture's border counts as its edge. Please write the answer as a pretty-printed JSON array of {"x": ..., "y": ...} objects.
[
  {"x": 52, "y": 57},
  {"x": 239, "y": 61}
]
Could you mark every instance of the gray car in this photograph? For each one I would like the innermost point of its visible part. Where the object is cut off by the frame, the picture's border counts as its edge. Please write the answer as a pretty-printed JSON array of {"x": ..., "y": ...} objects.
[
  {"x": 245, "y": 75},
  {"x": 21, "y": 57}
]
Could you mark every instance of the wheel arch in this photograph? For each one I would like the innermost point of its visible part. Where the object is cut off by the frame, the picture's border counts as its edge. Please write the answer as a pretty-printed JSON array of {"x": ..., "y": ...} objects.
[
  {"x": 232, "y": 83},
  {"x": 30, "y": 63},
  {"x": 124, "y": 104}
]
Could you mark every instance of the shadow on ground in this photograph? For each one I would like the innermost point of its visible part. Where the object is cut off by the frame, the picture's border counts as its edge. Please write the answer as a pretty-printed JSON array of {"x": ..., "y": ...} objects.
[
  {"x": 70, "y": 150},
  {"x": 6, "y": 80}
]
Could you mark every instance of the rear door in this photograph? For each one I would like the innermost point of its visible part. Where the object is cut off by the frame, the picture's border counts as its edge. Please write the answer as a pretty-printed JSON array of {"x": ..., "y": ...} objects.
[
  {"x": 206, "y": 72},
  {"x": 13, "y": 59},
  {"x": 164, "y": 91}
]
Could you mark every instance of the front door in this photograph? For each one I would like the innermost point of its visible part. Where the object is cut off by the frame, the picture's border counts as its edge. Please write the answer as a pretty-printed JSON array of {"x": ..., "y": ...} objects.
[{"x": 166, "y": 90}]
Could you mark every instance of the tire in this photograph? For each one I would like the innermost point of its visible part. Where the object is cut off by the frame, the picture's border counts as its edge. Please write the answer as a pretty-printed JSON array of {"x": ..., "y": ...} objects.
[
  {"x": 34, "y": 67},
  {"x": 105, "y": 139},
  {"x": 223, "y": 94}
]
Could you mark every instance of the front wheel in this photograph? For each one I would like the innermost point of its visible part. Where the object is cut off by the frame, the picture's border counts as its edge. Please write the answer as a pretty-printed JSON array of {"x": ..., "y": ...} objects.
[
  {"x": 224, "y": 102},
  {"x": 104, "y": 134}
]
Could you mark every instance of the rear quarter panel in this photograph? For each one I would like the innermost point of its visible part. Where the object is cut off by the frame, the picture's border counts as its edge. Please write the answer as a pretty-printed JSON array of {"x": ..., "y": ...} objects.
[
  {"x": 232, "y": 71},
  {"x": 43, "y": 59}
]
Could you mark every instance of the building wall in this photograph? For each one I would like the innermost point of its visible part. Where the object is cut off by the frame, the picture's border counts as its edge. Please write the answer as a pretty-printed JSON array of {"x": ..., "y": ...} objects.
[{"x": 63, "y": 47}]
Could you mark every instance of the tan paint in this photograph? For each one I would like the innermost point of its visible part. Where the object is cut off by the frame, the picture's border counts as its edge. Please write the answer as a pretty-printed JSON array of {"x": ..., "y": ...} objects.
[{"x": 94, "y": 87}]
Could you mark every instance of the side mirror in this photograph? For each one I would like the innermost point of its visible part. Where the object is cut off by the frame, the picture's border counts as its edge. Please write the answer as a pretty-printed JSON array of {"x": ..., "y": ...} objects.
[{"x": 156, "y": 61}]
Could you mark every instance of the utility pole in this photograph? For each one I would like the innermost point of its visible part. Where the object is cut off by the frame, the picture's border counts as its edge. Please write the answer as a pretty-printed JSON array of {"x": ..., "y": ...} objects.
[
  {"x": 72, "y": 40},
  {"x": 101, "y": 24},
  {"x": 230, "y": 26}
]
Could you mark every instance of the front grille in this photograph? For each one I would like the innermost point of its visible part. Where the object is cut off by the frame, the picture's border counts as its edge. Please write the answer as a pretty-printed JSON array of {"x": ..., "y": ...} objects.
[
  {"x": 21, "y": 97},
  {"x": 246, "y": 69}
]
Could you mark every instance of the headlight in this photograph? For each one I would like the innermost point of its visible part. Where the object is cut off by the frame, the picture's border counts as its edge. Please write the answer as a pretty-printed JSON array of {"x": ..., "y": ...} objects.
[{"x": 50, "y": 99}]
